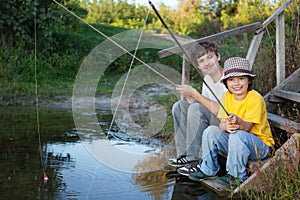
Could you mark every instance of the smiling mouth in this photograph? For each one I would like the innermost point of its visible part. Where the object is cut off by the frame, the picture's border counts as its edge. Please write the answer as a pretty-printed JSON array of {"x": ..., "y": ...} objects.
[
  {"x": 207, "y": 68},
  {"x": 237, "y": 88}
]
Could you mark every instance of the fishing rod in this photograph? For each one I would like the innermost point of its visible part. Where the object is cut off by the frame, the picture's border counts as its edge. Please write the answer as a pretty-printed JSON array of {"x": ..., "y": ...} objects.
[{"x": 187, "y": 56}]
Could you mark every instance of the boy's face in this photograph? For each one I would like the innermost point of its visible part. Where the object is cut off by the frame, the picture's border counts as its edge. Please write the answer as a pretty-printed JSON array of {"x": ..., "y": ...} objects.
[
  {"x": 238, "y": 85},
  {"x": 209, "y": 63}
]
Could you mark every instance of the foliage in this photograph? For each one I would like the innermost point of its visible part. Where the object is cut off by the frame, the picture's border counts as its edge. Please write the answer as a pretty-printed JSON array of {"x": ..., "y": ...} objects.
[
  {"x": 116, "y": 13},
  {"x": 20, "y": 20},
  {"x": 62, "y": 41},
  {"x": 245, "y": 12}
]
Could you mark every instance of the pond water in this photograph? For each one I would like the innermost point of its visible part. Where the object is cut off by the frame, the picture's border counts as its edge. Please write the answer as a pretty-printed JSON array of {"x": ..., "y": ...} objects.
[{"x": 73, "y": 168}]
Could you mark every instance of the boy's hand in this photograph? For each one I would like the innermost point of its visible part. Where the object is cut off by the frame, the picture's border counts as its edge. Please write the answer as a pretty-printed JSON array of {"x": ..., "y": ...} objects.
[
  {"x": 226, "y": 125},
  {"x": 234, "y": 119},
  {"x": 186, "y": 91}
]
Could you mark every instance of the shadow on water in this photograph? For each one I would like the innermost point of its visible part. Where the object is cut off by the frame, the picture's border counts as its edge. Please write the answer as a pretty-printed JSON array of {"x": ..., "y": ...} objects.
[{"x": 73, "y": 171}]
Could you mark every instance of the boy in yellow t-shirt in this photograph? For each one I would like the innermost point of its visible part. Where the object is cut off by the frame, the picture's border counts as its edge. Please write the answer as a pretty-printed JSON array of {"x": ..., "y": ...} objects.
[{"x": 244, "y": 134}]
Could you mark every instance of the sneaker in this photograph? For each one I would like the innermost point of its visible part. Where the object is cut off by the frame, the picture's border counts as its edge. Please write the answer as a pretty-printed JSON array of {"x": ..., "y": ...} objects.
[
  {"x": 191, "y": 168},
  {"x": 179, "y": 162},
  {"x": 199, "y": 176},
  {"x": 229, "y": 181}
]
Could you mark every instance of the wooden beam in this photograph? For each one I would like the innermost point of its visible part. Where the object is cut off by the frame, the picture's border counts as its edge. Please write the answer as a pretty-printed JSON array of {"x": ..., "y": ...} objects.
[
  {"x": 185, "y": 75},
  {"x": 293, "y": 96},
  {"x": 254, "y": 45},
  {"x": 215, "y": 37},
  {"x": 280, "y": 48},
  {"x": 284, "y": 124}
]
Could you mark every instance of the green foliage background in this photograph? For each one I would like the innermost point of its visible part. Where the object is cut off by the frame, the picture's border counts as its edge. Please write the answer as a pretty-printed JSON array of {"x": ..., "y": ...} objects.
[{"x": 62, "y": 41}]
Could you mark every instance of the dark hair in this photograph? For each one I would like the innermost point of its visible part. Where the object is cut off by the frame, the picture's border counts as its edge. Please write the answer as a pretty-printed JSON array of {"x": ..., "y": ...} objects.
[
  {"x": 203, "y": 48},
  {"x": 250, "y": 84}
]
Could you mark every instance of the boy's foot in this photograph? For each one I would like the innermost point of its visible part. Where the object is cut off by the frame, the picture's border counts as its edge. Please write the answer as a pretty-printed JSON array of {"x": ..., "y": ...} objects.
[
  {"x": 229, "y": 181},
  {"x": 179, "y": 162},
  {"x": 199, "y": 176},
  {"x": 191, "y": 168}
]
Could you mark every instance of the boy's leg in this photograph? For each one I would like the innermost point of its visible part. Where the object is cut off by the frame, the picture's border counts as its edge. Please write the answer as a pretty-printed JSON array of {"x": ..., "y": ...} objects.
[
  {"x": 213, "y": 140},
  {"x": 179, "y": 112},
  {"x": 242, "y": 147},
  {"x": 198, "y": 119}
]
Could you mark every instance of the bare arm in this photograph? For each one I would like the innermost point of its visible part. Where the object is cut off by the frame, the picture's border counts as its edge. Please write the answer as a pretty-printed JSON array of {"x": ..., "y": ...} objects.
[{"x": 188, "y": 91}]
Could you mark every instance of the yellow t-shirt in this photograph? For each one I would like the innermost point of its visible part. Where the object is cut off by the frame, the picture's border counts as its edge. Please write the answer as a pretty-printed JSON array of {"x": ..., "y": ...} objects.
[{"x": 251, "y": 109}]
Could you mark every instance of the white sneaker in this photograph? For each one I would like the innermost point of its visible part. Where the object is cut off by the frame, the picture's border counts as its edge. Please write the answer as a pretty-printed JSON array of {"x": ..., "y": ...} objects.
[
  {"x": 179, "y": 162},
  {"x": 191, "y": 168}
]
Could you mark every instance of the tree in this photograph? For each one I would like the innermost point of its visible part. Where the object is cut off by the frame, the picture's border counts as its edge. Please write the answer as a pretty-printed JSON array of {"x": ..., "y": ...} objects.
[
  {"x": 17, "y": 21},
  {"x": 245, "y": 12}
]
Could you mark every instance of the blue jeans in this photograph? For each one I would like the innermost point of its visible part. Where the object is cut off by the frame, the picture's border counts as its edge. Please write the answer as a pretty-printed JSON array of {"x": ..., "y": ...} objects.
[
  {"x": 190, "y": 120},
  {"x": 240, "y": 147}
]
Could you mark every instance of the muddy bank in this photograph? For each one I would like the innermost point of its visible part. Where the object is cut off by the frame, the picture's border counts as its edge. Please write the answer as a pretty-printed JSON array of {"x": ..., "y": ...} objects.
[{"x": 139, "y": 114}]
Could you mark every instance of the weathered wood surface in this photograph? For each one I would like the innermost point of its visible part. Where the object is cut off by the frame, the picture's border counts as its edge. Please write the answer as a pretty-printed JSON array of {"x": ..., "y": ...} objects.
[
  {"x": 217, "y": 188},
  {"x": 280, "y": 48},
  {"x": 253, "y": 48},
  {"x": 284, "y": 124},
  {"x": 290, "y": 84},
  {"x": 293, "y": 96},
  {"x": 286, "y": 157},
  {"x": 215, "y": 37}
]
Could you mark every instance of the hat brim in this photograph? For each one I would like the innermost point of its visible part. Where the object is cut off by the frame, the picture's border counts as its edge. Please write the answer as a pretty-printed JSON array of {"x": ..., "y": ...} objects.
[{"x": 236, "y": 74}]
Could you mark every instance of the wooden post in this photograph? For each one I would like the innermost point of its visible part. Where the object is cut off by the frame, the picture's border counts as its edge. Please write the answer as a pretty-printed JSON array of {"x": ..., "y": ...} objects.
[
  {"x": 185, "y": 76},
  {"x": 255, "y": 42},
  {"x": 280, "y": 48}
]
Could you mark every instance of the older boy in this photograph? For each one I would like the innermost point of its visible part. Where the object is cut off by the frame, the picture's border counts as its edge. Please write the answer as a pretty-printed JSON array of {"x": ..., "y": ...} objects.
[{"x": 194, "y": 114}]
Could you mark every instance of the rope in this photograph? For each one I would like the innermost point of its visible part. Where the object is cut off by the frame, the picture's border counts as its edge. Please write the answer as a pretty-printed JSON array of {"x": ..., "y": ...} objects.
[
  {"x": 129, "y": 70},
  {"x": 115, "y": 43}
]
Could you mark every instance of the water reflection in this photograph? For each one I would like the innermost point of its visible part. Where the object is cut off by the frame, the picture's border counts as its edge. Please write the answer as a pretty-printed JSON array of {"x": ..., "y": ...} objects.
[{"x": 74, "y": 172}]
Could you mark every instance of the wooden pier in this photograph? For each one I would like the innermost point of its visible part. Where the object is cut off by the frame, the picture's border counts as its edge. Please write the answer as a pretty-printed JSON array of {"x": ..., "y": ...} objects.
[{"x": 287, "y": 93}]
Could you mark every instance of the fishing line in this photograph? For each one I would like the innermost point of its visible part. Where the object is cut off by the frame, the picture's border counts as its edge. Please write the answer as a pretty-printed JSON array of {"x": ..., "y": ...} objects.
[
  {"x": 186, "y": 55},
  {"x": 37, "y": 97},
  {"x": 129, "y": 70},
  {"x": 115, "y": 43}
]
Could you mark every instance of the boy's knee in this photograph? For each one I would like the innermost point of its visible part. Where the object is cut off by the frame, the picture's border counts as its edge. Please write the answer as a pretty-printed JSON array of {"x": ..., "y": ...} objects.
[
  {"x": 175, "y": 107},
  {"x": 237, "y": 137},
  {"x": 178, "y": 106},
  {"x": 195, "y": 110},
  {"x": 212, "y": 132}
]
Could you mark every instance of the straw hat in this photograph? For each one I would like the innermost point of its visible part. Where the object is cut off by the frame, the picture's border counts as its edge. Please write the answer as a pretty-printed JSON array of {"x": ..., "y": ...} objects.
[{"x": 237, "y": 66}]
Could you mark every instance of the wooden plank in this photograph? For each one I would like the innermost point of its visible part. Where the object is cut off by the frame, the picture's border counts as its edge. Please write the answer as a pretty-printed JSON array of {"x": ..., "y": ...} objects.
[
  {"x": 280, "y": 48},
  {"x": 185, "y": 75},
  {"x": 286, "y": 160},
  {"x": 284, "y": 124},
  {"x": 293, "y": 96},
  {"x": 254, "y": 45},
  {"x": 219, "y": 36},
  {"x": 291, "y": 83},
  {"x": 215, "y": 187}
]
